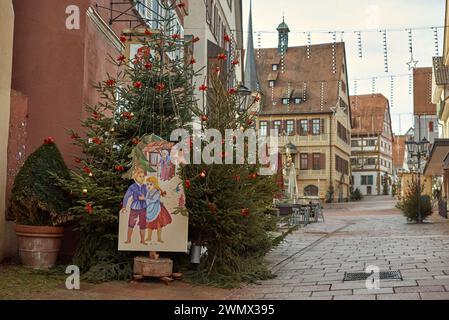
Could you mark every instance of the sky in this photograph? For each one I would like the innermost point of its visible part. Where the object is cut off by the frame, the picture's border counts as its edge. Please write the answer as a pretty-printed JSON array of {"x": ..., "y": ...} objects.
[{"x": 321, "y": 16}]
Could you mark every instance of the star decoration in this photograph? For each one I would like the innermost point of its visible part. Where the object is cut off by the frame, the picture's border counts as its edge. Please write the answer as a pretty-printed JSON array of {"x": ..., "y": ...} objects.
[{"x": 412, "y": 63}]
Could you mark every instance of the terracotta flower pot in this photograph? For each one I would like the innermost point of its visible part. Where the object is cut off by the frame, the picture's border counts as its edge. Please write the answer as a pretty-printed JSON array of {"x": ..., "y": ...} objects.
[{"x": 39, "y": 246}]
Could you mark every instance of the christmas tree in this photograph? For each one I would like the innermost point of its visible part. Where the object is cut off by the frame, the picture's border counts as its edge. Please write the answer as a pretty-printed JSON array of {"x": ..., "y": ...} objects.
[
  {"x": 228, "y": 203},
  {"x": 152, "y": 93}
]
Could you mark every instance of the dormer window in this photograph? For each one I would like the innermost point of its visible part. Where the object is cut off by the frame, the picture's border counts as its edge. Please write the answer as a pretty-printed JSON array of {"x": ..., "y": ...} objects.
[
  {"x": 275, "y": 67},
  {"x": 285, "y": 101},
  {"x": 271, "y": 83},
  {"x": 298, "y": 100}
]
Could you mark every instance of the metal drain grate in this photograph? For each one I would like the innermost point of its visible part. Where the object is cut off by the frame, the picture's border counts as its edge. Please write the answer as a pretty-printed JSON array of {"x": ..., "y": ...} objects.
[{"x": 383, "y": 275}]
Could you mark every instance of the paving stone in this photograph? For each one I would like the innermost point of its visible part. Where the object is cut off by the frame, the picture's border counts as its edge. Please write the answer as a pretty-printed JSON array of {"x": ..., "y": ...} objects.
[
  {"x": 435, "y": 295},
  {"x": 399, "y": 296},
  {"x": 331, "y": 293},
  {"x": 419, "y": 289},
  {"x": 356, "y": 297},
  {"x": 312, "y": 288},
  {"x": 367, "y": 291}
]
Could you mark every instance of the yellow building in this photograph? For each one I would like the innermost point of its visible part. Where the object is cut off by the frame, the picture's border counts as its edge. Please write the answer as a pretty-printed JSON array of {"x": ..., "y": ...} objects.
[
  {"x": 6, "y": 46},
  {"x": 305, "y": 97},
  {"x": 406, "y": 179}
]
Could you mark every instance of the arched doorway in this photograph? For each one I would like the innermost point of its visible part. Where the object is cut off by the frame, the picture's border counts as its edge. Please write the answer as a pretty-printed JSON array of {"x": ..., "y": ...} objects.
[{"x": 311, "y": 191}]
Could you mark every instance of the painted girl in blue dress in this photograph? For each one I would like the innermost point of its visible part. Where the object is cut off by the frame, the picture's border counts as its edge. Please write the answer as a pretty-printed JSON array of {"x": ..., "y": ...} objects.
[{"x": 158, "y": 216}]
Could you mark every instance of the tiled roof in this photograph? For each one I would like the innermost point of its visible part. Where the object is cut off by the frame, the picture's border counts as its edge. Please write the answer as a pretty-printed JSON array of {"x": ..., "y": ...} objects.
[
  {"x": 441, "y": 71},
  {"x": 399, "y": 151},
  {"x": 368, "y": 113},
  {"x": 422, "y": 92},
  {"x": 310, "y": 76}
]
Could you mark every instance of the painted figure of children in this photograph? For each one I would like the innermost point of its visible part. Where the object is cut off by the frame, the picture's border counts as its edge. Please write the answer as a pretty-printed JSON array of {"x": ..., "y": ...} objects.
[
  {"x": 157, "y": 216},
  {"x": 135, "y": 203}
]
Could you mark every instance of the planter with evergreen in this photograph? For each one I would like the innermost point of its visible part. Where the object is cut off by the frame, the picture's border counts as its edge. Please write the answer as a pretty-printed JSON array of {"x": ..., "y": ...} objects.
[{"x": 40, "y": 207}]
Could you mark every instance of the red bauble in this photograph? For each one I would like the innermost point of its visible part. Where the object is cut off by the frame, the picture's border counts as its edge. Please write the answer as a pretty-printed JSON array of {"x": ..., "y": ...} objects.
[
  {"x": 148, "y": 33},
  {"x": 96, "y": 115},
  {"x": 245, "y": 212},
  {"x": 87, "y": 170},
  {"x": 182, "y": 5},
  {"x": 137, "y": 84},
  {"x": 119, "y": 168},
  {"x": 212, "y": 207},
  {"x": 49, "y": 140},
  {"x": 221, "y": 56},
  {"x": 203, "y": 87},
  {"x": 253, "y": 176},
  {"x": 204, "y": 118},
  {"x": 160, "y": 87},
  {"x": 121, "y": 58},
  {"x": 89, "y": 208},
  {"x": 227, "y": 38},
  {"x": 123, "y": 39},
  {"x": 110, "y": 82},
  {"x": 136, "y": 141},
  {"x": 187, "y": 184},
  {"x": 232, "y": 91},
  {"x": 235, "y": 62},
  {"x": 148, "y": 66},
  {"x": 192, "y": 61},
  {"x": 176, "y": 36},
  {"x": 196, "y": 39},
  {"x": 97, "y": 141}
]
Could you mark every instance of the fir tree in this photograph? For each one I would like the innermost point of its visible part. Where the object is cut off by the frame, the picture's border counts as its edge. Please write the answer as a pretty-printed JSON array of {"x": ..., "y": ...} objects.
[
  {"x": 228, "y": 204},
  {"x": 151, "y": 94}
]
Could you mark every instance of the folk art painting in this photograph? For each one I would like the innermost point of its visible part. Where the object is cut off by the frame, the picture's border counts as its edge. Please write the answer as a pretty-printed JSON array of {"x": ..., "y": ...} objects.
[{"x": 153, "y": 215}]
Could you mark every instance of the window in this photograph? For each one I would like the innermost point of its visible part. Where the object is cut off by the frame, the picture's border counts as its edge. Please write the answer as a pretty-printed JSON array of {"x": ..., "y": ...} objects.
[
  {"x": 342, "y": 132},
  {"x": 290, "y": 127},
  {"x": 209, "y": 10},
  {"x": 371, "y": 161},
  {"x": 303, "y": 127},
  {"x": 271, "y": 83},
  {"x": 277, "y": 125},
  {"x": 341, "y": 165},
  {"x": 354, "y": 143},
  {"x": 263, "y": 128},
  {"x": 298, "y": 100},
  {"x": 316, "y": 127},
  {"x": 367, "y": 180},
  {"x": 154, "y": 158},
  {"x": 304, "y": 163},
  {"x": 353, "y": 161},
  {"x": 275, "y": 67},
  {"x": 316, "y": 162},
  {"x": 285, "y": 101}
]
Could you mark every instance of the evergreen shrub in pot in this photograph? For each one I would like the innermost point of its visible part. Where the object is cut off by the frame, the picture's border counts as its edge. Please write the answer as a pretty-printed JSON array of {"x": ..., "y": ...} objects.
[{"x": 40, "y": 206}]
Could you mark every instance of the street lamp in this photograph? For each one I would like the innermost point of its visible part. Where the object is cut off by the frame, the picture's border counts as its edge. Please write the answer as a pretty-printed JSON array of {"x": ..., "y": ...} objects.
[
  {"x": 417, "y": 150},
  {"x": 243, "y": 93}
]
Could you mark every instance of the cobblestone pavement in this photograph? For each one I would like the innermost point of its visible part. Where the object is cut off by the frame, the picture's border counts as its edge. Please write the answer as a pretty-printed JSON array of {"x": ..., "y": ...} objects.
[{"x": 311, "y": 263}]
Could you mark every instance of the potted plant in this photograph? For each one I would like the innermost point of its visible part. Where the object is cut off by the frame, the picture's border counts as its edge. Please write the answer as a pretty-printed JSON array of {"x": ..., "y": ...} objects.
[{"x": 40, "y": 206}]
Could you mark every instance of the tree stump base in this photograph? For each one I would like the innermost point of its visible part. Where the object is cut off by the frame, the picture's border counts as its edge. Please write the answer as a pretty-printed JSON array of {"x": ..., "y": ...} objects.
[{"x": 161, "y": 268}]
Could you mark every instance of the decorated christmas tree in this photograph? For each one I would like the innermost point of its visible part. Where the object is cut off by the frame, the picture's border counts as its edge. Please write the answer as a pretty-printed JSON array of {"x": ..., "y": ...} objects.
[
  {"x": 228, "y": 203},
  {"x": 152, "y": 93}
]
